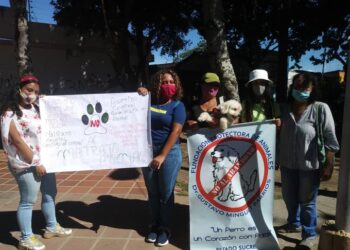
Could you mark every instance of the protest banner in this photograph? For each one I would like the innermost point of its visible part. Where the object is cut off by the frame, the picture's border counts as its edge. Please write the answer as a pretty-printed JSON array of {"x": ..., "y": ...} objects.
[
  {"x": 231, "y": 187},
  {"x": 96, "y": 131}
]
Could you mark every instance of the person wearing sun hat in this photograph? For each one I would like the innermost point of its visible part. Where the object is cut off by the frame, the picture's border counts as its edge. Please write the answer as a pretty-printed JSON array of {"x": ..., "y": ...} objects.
[
  {"x": 210, "y": 86},
  {"x": 259, "y": 105}
]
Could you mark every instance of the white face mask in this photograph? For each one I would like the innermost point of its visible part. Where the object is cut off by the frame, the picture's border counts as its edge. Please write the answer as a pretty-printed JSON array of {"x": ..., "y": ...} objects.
[
  {"x": 28, "y": 98},
  {"x": 258, "y": 89}
]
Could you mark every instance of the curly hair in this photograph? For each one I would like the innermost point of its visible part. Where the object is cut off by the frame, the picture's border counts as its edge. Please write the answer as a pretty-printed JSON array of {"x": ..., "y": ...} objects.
[{"x": 157, "y": 81}]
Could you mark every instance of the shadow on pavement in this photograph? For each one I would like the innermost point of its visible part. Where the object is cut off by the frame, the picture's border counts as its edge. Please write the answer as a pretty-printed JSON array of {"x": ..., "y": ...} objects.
[
  {"x": 123, "y": 213},
  {"x": 9, "y": 224},
  {"x": 296, "y": 247},
  {"x": 125, "y": 174},
  {"x": 327, "y": 193},
  {"x": 326, "y": 216},
  {"x": 286, "y": 238}
]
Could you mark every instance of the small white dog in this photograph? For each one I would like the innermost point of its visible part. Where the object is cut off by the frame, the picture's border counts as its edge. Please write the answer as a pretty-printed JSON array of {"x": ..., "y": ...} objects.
[{"x": 230, "y": 111}]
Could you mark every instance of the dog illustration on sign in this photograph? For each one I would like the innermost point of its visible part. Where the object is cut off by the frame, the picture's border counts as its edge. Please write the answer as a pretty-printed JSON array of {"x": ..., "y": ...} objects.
[{"x": 223, "y": 158}]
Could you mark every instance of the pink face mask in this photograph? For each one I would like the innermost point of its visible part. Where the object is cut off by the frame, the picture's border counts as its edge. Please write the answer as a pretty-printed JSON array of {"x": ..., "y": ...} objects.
[
  {"x": 210, "y": 90},
  {"x": 167, "y": 91}
]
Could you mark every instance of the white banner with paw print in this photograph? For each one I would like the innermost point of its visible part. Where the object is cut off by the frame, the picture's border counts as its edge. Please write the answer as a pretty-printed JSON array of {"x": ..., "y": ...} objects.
[
  {"x": 95, "y": 131},
  {"x": 231, "y": 187}
]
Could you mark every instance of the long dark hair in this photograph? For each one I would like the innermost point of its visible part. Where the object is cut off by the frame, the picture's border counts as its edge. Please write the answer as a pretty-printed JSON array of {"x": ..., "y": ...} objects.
[
  {"x": 157, "y": 81},
  {"x": 12, "y": 103},
  {"x": 253, "y": 99},
  {"x": 307, "y": 79}
]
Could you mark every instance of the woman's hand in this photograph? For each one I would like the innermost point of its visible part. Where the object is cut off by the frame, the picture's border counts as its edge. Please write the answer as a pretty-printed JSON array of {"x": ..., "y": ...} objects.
[
  {"x": 40, "y": 170},
  {"x": 142, "y": 91},
  {"x": 191, "y": 124},
  {"x": 157, "y": 162},
  {"x": 326, "y": 171},
  {"x": 278, "y": 123},
  {"x": 214, "y": 123}
]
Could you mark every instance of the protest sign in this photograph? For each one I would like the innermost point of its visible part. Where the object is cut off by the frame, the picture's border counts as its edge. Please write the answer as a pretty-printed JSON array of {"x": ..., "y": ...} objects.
[
  {"x": 97, "y": 131},
  {"x": 231, "y": 187}
]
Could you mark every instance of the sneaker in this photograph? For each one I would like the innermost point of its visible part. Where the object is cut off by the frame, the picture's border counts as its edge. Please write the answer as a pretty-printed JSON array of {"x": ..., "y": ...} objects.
[
  {"x": 162, "y": 239},
  {"x": 32, "y": 243},
  {"x": 308, "y": 242},
  {"x": 288, "y": 228},
  {"x": 57, "y": 232},
  {"x": 151, "y": 237}
]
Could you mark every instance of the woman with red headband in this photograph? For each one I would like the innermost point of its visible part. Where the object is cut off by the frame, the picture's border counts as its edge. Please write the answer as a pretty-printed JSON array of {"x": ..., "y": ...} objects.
[{"x": 20, "y": 133}]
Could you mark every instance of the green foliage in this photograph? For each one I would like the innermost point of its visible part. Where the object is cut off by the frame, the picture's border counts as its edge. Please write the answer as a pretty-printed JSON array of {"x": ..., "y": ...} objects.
[
  {"x": 201, "y": 47},
  {"x": 163, "y": 23},
  {"x": 255, "y": 27},
  {"x": 334, "y": 42}
]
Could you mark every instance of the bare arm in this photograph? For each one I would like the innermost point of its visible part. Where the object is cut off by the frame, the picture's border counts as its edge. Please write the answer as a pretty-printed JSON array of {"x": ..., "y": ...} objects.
[
  {"x": 174, "y": 135},
  {"x": 331, "y": 144},
  {"x": 327, "y": 170},
  {"x": 23, "y": 148}
]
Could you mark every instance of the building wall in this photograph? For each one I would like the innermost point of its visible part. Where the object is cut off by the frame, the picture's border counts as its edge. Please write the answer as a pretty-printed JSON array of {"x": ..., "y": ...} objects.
[{"x": 62, "y": 66}]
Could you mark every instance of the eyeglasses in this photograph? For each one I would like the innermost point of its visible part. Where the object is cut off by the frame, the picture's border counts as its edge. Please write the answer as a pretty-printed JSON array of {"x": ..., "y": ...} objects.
[{"x": 168, "y": 82}]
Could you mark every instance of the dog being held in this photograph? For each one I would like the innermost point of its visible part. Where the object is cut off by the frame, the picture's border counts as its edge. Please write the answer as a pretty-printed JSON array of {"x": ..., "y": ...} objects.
[
  {"x": 209, "y": 117},
  {"x": 230, "y": 111}
]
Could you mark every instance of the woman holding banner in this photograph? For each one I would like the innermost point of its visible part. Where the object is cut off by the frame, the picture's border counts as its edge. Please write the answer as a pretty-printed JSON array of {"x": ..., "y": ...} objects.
[
  {"x": 305, "y": 123},
  {"x": 208, "y": 102},
  {"x": 20, "y": 132},
  {"x": 259, "y": 105},
  {"x": 168, "y": 116}
]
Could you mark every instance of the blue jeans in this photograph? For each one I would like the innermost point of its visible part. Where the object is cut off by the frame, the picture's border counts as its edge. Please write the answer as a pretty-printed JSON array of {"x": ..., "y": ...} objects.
[
  {"x": 160, "y": 186},
  {"x": 299, "y": 191},
  {"x": 29, "y": 184}
]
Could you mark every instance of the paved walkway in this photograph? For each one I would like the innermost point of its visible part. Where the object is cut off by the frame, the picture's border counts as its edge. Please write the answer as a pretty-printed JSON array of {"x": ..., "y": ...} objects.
[{"x": 107, "y": 210}]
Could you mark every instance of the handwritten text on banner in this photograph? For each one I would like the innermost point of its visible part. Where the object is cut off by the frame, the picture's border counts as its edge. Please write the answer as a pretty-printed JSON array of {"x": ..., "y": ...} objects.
[{"x": 97, "y": 131}]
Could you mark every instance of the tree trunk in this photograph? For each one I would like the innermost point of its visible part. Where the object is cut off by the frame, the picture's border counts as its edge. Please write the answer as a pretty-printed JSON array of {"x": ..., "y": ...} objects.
[
  {"x": 142, "y": 51},
  {"x": 283, "y": 39},
  {"x": 214, "y": 33},
  {"x": 119, "y": 37},
  {"x": 21, "y": 36}
]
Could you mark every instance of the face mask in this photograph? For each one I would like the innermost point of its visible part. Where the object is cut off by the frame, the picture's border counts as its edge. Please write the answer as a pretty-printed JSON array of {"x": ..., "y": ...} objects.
[
  {"x": 210, "y": 91},
  {"x": 167, "y": 91},
  {"x": 258, "y": 89},
  {"x": 300, "y": 96},
  {"x": 28, "y": 98}
]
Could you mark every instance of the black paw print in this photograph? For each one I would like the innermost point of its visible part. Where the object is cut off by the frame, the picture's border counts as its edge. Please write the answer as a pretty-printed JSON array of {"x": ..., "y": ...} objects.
[{"x": 94, "y": 120}]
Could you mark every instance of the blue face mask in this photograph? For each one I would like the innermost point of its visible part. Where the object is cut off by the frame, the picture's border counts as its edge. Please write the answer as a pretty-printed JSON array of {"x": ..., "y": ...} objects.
[{"x": 300, "y": 96}]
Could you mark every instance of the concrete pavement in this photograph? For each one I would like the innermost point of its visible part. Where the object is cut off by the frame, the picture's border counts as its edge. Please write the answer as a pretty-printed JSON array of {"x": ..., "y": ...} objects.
[{"x": 107, "y": 210}]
